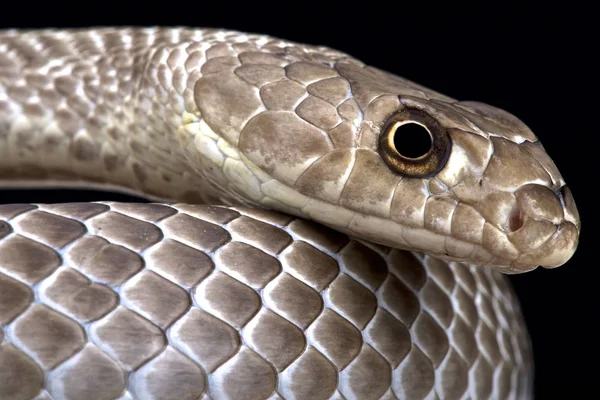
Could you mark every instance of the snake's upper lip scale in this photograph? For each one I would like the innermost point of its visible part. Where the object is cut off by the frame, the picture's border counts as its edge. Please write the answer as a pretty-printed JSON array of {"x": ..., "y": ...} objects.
[
  {"x": 552, "y": 252},
  {"x": 556, "y": 250}
]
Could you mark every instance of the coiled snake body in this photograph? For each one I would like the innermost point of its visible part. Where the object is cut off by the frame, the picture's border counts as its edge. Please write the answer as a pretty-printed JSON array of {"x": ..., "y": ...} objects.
[{"x": 232, "y": 301}]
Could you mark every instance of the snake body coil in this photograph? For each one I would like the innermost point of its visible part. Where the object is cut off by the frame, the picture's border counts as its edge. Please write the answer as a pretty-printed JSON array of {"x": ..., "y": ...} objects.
[{"x": 184, "y": 301}]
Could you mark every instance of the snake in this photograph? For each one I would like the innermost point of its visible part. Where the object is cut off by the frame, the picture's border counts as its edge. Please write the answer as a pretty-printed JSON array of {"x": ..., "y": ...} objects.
[{"x": 315, "y": 227}]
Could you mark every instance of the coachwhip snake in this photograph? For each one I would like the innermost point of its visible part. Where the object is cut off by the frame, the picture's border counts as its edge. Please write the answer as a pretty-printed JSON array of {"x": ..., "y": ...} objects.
[{"x": 187, "y": 301}]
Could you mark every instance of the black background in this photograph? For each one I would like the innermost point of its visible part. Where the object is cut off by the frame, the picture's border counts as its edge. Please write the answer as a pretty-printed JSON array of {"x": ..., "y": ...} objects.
[{"x": 536, "y": 63}]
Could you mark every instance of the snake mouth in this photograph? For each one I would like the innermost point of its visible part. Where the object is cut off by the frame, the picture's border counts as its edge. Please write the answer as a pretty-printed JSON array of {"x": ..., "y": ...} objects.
[
  {"x": 541, "y": 230},
  {"x": 536, "y": 227},
  {"x": 536, "y": 243},
  {"x": 557, "y": 250}
]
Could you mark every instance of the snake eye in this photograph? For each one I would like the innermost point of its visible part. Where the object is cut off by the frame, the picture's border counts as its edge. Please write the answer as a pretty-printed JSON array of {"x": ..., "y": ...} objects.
[{"x": 414, "y": 144}]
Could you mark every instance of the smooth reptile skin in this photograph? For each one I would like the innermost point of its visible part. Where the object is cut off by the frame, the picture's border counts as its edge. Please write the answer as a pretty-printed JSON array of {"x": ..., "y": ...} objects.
[{"x": 190, "y": 302}]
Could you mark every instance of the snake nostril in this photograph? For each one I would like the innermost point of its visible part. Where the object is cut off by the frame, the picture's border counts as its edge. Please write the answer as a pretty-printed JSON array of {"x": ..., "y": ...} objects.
[{"x": 515, "y": 220}]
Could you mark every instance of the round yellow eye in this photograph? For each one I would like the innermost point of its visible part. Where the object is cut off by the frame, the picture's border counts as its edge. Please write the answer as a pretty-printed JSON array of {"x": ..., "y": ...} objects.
[{"x": 414, "y": 144}]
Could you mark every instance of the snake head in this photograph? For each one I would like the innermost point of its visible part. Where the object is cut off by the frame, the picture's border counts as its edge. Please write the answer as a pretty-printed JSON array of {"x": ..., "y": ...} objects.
[
  {"x": 320, "y": 135},
  {"x": 485, "y": 180}
]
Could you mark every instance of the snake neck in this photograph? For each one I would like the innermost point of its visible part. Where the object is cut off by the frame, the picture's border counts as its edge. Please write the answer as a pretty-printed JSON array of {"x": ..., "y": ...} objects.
[{"x": 112, "y": 107}]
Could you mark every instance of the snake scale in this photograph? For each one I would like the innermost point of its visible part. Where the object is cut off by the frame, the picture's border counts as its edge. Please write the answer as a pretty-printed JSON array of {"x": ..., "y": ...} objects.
[{"x": 295, "y": 248}]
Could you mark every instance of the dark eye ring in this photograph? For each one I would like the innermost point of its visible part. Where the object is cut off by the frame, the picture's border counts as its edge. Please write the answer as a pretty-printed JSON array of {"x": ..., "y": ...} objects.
[{"x": 414, "y": 144}]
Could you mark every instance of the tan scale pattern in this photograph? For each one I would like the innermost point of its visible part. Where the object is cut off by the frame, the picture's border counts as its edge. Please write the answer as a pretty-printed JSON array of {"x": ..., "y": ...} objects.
[
  {"x": 164, "y": 307},
  {"x": 222, "y": 117}
]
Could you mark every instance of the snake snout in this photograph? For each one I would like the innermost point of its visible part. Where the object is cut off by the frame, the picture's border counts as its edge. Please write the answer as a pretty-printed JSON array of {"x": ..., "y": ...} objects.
[{"x": 544, "y": 226}]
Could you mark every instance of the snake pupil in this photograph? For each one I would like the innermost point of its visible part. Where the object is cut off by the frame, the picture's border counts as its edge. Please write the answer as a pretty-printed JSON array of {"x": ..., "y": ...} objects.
[
  {"x": 412, "y": 140},
  {"x": 414, "y": 144}
]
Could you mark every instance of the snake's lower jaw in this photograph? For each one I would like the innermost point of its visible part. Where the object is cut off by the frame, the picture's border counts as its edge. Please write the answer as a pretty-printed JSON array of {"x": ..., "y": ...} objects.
[
  {"x": 554, "y": 251},
  {"x": 530, "y": 242},
  {"x": 538, "y": 243},
  {"x": 557, "y": 250}
]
